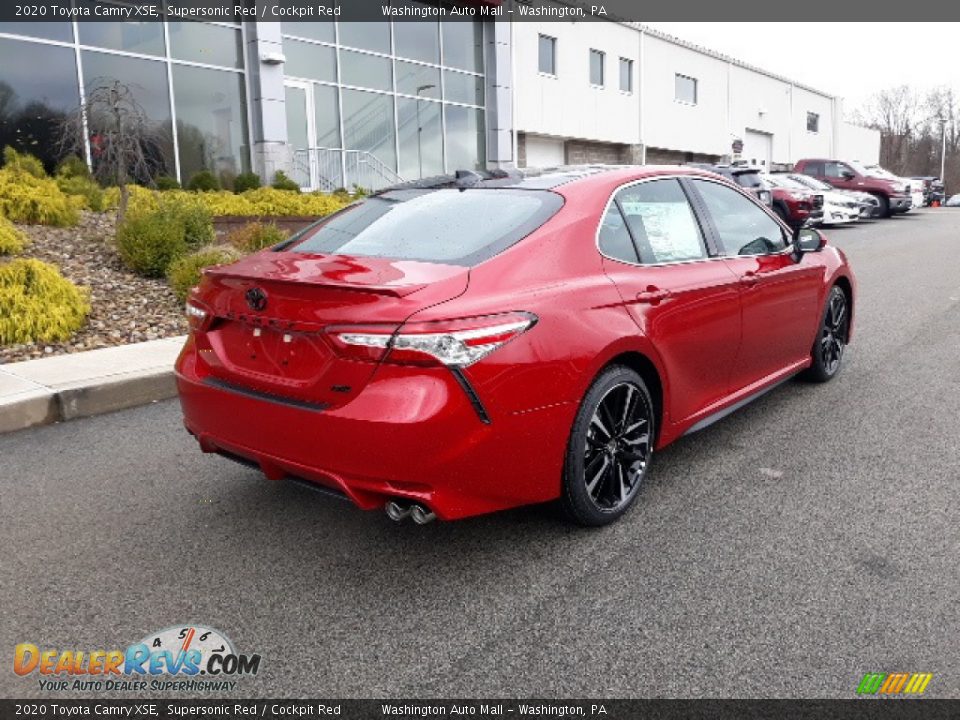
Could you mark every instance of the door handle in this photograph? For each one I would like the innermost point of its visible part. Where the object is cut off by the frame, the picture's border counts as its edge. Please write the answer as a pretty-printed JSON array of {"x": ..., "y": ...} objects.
[
  {"x": 652, "y": 295},
  {"x": 749, "y": 278}
]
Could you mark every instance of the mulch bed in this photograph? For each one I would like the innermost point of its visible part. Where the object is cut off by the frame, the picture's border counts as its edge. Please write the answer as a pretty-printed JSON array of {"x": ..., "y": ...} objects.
[{"x": 125, "y": 308}]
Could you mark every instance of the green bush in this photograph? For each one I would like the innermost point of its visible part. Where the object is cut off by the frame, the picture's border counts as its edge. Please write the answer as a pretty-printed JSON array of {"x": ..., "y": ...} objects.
[
  {"x": 196, "y": 218},
  {"x": 282, "y": 182},
  {"x": 37, "y": 304},
  {"x": 149, "y": 242},
  {"x": 246, "y": 181},
  {"x": 203, "y": 181},
  {"x": 12, "y": 241},
  {"x": 165, "y": 182},
  {"x": 73, "y": 167},
  {"x": 256, "y": 236},
  {"x": 22, "y": 162},
  {"x": 185, "y": 272},
  {"x": 85, "y": 187}
]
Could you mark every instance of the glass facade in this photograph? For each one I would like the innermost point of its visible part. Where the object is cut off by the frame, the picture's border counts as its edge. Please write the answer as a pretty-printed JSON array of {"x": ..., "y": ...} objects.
[
  {"x": 368, "y": 103},
  {"x": 187, "y": 76},
  {"x": 391, "y": 101}
]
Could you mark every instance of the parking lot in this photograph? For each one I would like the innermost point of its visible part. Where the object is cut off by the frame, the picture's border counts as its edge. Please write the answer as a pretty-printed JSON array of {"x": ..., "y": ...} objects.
[{"x": 785, "y": 551}]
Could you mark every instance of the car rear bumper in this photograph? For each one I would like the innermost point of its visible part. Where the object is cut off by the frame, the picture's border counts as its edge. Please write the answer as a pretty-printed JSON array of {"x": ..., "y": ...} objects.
[{"x": 412, "y": 433}]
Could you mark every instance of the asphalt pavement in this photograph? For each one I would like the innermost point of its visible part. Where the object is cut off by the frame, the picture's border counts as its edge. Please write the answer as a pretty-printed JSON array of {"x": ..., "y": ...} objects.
[{"x": 805, "y": 540}]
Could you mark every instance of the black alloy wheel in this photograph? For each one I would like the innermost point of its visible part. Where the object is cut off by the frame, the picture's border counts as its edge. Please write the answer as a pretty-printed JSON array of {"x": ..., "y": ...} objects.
[
  {"x": 831, "y": 342},
  {"x": 610, "y": 448}
]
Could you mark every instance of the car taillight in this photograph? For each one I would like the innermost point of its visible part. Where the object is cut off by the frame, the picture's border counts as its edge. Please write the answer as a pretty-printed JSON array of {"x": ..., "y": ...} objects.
[
  {"x": 198, "y": 316},
  {"x": 455, "y": 343}
]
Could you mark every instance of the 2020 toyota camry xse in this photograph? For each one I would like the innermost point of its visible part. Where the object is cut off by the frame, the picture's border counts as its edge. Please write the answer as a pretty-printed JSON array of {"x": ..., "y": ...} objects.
[{"x": 478, "y": 342}]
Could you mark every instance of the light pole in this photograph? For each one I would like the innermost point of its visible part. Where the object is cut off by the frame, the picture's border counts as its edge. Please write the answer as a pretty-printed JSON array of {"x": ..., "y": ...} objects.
[
  {"x": 420, "y": 89},
  {"x": 943, "y": 152}
]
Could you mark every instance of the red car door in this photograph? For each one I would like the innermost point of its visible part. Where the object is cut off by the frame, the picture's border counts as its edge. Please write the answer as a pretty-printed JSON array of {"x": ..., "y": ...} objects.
[
  {"x": 779, "y": 296},
  {"x": 680, "y": 297}
]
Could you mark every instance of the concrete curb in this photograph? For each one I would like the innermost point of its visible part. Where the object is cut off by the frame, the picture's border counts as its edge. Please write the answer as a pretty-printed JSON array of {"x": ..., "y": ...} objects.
[{"x": 66, "y": 387}]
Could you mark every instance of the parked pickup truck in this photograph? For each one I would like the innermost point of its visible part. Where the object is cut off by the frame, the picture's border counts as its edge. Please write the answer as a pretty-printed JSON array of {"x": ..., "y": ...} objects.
[{"x": 893, "y": 195}]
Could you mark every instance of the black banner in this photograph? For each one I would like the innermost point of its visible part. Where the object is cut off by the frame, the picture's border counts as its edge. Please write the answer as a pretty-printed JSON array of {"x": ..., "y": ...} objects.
[
  {"x": 862, "y": 709},
  {"x": 459, "y": 10}
]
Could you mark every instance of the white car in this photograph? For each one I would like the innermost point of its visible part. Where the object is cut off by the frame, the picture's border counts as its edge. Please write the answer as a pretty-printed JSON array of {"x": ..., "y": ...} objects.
[
  {"x": 837, "y": 207},
  {"x": 869, "y": 206}
]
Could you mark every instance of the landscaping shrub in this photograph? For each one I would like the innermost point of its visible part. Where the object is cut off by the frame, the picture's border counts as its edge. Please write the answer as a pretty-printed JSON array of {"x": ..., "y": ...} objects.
[
  {"x": 73, "y": 167},
  {"x": 282, "y": 182},
  {"x": 142, "y": 200},
  {"x": 256, "y": 236},
  {"x": 165, "y": 182},
  {"x": 196, "y": 218},
  {"x": 37, "y": 304},
  {"x": 26, "y": 198},
  {"x": 12, "y": 241},
  {"x": 184, "y": 273},
  {"x": 149, "y": 242},
  {"x": 83, "y": 187},
  {"x": 22, "y": 162},
  {"x": 246, "y": 181},
  {"x": 263, "y": 202},
  {"x": 203, "y": 181}
]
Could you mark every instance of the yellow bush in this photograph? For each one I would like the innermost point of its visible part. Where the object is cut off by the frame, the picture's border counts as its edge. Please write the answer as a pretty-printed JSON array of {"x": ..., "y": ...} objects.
[
  {"x": 185, "y": 272},
  {"x": 262, "y": 202},
  {"x": 87, "y": 189},
  {"x": 26, "y": 198},
  {"x": 12, "y": 241},
  {"x": 38, "y": 304}
]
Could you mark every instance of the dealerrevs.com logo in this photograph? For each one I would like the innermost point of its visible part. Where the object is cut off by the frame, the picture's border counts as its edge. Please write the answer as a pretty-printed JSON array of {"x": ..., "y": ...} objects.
[{"x": 179, "y": 658}]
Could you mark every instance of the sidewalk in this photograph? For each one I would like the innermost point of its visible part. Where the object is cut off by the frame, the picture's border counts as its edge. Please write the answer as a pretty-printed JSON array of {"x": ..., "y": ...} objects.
[{"x": 64, "y": 387}]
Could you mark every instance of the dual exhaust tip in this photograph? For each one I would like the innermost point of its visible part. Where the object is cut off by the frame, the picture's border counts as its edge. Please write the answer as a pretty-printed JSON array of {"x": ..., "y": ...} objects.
[{"x": 398, "y": 511}]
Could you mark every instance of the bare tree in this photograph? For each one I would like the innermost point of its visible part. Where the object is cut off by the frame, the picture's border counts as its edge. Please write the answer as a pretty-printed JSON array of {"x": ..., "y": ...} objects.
[{"x": 125, "y": 145}]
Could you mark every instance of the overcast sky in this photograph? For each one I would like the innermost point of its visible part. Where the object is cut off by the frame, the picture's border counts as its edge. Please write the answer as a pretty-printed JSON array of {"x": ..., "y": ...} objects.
[{"x": 853, "y": 60}]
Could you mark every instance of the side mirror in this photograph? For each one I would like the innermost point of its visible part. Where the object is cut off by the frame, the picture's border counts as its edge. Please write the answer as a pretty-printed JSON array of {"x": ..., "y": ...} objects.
[
  {"x": 847, "y": 175},
  {"x": 806, "y": 240}
]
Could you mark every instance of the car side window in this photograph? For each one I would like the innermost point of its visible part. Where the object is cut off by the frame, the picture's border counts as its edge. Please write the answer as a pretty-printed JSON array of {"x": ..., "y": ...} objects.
[
  {"x": 614, "y": 238},
  {"x": 660, "y": 222},
  {"x": 836, "y": 169},
  {"x": 814, "y": 168},
  {"x": 743, "y": 226}
]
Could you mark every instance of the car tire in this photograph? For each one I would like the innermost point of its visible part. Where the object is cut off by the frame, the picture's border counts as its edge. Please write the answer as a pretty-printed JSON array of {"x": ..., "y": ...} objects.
[
  {"x": 828, "y": 348},
  {"x": 610, "y": 448},
  {"x": 883, "y": 210}
]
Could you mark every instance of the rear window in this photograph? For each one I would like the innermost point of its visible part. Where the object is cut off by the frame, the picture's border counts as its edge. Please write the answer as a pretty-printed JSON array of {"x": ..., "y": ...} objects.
[{"x": 454, "y": 227}]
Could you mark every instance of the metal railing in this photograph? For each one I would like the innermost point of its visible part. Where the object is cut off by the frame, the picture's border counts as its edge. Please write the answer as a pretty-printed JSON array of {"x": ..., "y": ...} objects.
[{"x": 327, "y": 169}]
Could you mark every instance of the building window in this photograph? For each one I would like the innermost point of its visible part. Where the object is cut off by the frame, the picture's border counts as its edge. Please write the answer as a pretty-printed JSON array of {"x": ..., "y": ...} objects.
[
  {"x": 626, "y": 75},
  {"x": 685, "y": 89},
  {"x": 596, "y": 68},
  {"x": 547, "y": 55},
  {"x": 813, "y": 122}
]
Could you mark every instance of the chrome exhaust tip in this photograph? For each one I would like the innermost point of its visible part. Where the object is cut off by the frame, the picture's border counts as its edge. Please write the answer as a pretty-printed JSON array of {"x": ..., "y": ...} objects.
[
  {"x": 396, "y": 511},
  {"x": 420, "y": 515}
]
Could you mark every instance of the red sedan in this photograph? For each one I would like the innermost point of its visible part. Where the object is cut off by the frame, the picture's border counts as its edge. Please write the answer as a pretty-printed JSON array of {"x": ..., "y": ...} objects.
[{"x": 476, "y": 343}]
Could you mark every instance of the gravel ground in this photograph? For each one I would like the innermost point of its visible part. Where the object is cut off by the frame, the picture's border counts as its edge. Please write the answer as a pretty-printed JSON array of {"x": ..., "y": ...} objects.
[{"x": 125, "y": 308}]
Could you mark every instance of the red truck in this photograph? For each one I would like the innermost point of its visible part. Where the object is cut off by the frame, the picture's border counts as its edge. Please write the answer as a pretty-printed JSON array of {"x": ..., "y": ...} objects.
[{"x": 893, "y": 196}]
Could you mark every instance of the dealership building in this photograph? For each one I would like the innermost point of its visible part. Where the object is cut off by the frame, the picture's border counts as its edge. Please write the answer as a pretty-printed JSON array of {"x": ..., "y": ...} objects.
[{"x": 335, "y": 104}]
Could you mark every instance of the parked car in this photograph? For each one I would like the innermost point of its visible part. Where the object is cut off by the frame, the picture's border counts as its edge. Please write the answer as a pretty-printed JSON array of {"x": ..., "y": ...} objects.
[
  {"x": 795, "y": 204},
  {"x": 473, "y": 343},
  {"x": 746, "y": 177},
  {"x": 933, "y": 189},
  {"x": 867, "y": 204},
  {"x": 893, "y": 196},
  {"x": 914, "y": 187},
  {"x": 954, "y": 201}
]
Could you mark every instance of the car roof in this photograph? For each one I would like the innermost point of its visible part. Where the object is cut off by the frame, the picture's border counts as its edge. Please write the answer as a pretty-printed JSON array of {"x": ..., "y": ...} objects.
[{"x": 545, "y": 178}]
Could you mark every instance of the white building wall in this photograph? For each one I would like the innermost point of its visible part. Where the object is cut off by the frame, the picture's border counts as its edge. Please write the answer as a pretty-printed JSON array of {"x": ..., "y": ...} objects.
[
  {"x": 860, "y": 143},
  {"x": 672, "y": 125},
  {"x": 731, "y": 99},
  {"x": 567, "y": 105}
]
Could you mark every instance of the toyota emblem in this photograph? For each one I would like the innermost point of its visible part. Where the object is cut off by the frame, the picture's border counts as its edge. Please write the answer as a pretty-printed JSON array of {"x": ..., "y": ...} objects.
[{"x": 256, "y": 299}]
